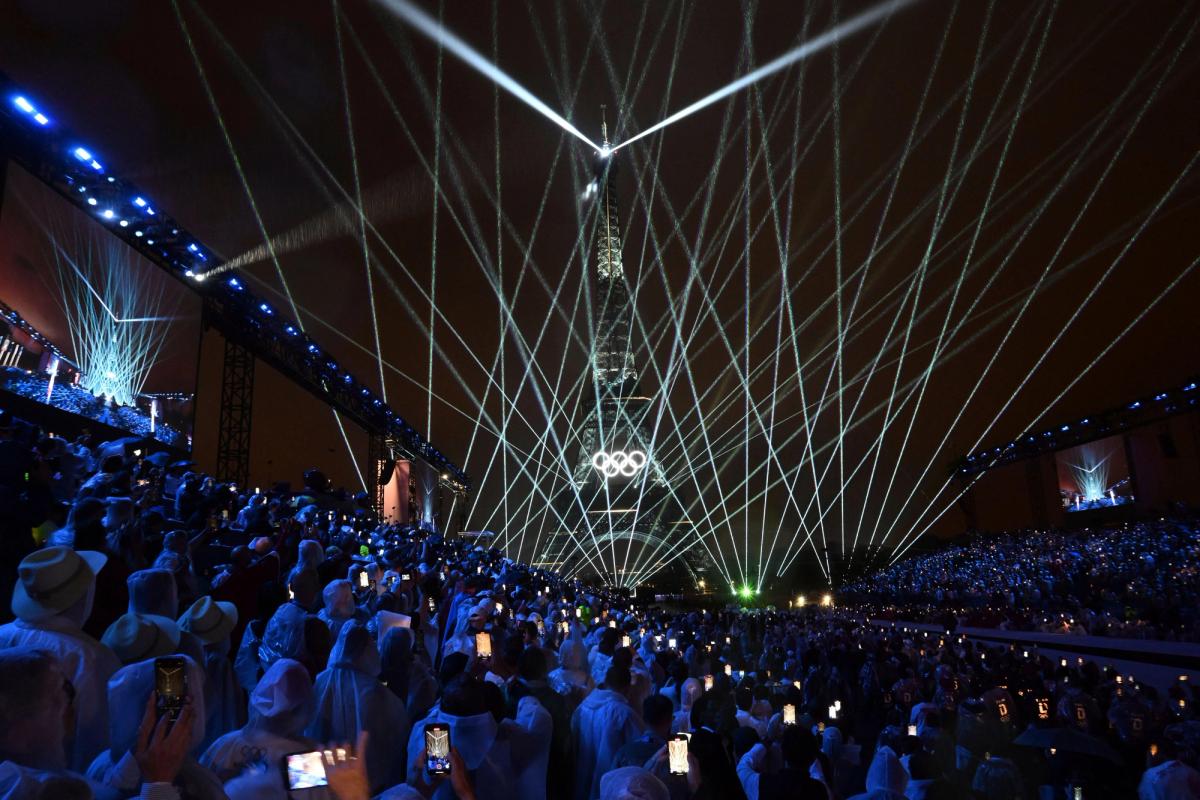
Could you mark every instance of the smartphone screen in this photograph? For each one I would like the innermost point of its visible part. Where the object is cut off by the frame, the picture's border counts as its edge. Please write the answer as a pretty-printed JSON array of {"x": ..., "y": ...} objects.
[
  {"x": 406, "y": 577},
  {"x": 789, "y": 714},
  {"x": 677, "y": 752},
  {"x": 437, "y": 748},
  {"x": 432, "y": 606},
  {"x": 170, "y": 684},
  {"x": 625, "y": 641},
  {"x": 483, "y": 644},
  {"x": 362, "y": 580},
  {"x": 708, "y": 683},
  {"x": 912, "y": 730},
  {"x": 304, "y": 770}
]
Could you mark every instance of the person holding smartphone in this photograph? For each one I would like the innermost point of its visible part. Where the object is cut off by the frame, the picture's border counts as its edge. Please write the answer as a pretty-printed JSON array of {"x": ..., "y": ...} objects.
[{"x": 35, "y": 698}]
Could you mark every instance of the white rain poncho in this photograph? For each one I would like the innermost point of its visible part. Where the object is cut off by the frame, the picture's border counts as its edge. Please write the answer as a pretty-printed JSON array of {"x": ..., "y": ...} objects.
[
  {"x": 128, "y": 692},
  {"x": 281, "y": 707},
  {"x": 632, "y": 783},
  {"x": 284, "y": 635},
  {"x": 886, "y": 778},
  {"x": 351, "y": 699},
  {"x": 84, "y": 661},
  {"x": 507, "y": 760},
  {"x": 22, "y": 783},
  {"x": 692, "y": 691},
  {"x": 603, "y": 724},
  {"x": 339, "y": 605},
  {"x": 1170, "y": 780},
  {"x": 572, "y": 677}
]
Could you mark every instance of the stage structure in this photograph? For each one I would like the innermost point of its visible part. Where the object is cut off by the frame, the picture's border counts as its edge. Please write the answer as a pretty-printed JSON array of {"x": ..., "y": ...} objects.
[
  {"x": 1139, "y": 459},
  {"x": 31, "y": 137},
  {"x": 620, "y": 515}
]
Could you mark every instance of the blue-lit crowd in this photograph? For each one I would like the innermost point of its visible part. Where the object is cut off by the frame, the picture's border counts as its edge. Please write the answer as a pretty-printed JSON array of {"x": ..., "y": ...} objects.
[
  {"x": 171, "y": 637},
  {"x": 1133, "y": 581}
]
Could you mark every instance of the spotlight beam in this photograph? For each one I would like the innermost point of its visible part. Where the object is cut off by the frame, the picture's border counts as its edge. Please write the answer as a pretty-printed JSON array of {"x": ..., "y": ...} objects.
[
  {"x": 438, "y": 33},
  {"x": 847, "y": 28}
]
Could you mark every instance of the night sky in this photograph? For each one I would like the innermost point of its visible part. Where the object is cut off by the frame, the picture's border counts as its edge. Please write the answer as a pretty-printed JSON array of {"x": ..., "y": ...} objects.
[{"x": 817, "y": 146}]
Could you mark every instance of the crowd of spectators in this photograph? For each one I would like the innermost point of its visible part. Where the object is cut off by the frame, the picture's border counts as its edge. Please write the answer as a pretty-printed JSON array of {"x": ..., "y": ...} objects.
[
  {"x": 83, "y": 403},
  {"x": 1135, "y": 581},
  {"x": 301, "y": 625}
]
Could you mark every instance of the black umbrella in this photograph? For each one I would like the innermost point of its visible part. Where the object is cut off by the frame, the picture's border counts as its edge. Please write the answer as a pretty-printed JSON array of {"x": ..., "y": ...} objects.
[{"x": 1068, "y": 740}]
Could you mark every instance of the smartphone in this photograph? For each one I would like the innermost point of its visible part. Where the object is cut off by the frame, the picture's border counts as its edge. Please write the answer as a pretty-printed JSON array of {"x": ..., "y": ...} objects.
[
  {"x": 304, "y": 770},
  {"x": 1077, "y": 793},
  {"x": 677, "y": 752},
  {"x": 170, "y": 685},
  {"x": 912, "y": 730},
  {"x": 406, "y": 577},
  {"x": 626, "y": 641},
  {"x": 708, "y": 683},
  {"x": 566, "y": 626},
  {"x": 483, "y": 644},
  {"x": 291, "y": 594},
  {"x": 432, "y": 605},
  {"x": 225, "y": 514},
  {"x": 437, "y": 748},
  {"x": 671, "y": 643},
  {"x": 789, "y": 714},
  {"x": 729, "y": 670},
  {"x": 363, "y": 580}
]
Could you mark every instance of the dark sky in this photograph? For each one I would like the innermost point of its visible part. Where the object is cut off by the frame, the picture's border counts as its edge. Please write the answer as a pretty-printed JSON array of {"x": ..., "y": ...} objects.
[{"x": 122, "y": 75}]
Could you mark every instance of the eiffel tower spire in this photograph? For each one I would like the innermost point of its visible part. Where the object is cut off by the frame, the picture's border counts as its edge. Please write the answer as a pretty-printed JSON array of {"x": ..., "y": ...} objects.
[
  {"x": 613, "y": 364},
  {"x": 620, "y": 507}
]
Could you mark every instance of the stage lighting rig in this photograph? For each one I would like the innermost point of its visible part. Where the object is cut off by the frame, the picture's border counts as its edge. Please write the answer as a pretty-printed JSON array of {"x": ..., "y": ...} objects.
[{"x": 80, "y": 174}]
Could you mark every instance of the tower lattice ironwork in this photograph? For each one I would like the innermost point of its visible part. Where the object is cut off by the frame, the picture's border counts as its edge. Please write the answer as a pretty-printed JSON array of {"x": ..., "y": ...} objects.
[{"x": 620, "y": 515}]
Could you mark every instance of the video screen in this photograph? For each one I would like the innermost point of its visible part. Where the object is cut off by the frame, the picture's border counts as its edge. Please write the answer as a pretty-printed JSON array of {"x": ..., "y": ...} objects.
[
  {"x": 305, "y": 771},
  {"x": 87, "y": 325},
  {"x": 1094, "y": 475}
]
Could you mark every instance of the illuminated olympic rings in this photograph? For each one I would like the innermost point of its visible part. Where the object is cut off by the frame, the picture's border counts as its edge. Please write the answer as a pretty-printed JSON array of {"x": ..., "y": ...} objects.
[{"x": 618, "y": 462}]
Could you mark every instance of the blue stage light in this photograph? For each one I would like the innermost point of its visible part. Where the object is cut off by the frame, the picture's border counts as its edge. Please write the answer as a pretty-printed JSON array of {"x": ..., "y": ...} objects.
[
  {"x": 1136, "y": 404},
  {"x": 235, "y": 283},
  {"x": 1162, "y": 396},
  {"x": 1189, "y": 387},
  {"x": 1065, "y": 428},
  {"x": 312, "y": 348},
  {"x": 266, "y": 309},
  {"x": 124, "y": 223},
  {"x": 139, "y": 202},
  {"x": 195, "y": 248},
  {"x": 23, "y": 104},
  {"x": 108, "y": 214},
  {"x": 91, "y": 201},
  {"x": 40, "y": 119},
  {"x": 291, "y": 329},
  {"x": 82, "y": 155}
]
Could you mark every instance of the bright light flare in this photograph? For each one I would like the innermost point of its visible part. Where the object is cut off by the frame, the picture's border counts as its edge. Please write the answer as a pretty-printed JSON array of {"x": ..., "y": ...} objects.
[
  {"x": 438, "y": 33},
  {"x": 850, "y": 26}
]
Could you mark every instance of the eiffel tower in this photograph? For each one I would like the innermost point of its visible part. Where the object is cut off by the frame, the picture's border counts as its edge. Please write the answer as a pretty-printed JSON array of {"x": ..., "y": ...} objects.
[{"x": 620, "y": 515}]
